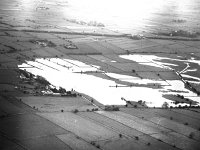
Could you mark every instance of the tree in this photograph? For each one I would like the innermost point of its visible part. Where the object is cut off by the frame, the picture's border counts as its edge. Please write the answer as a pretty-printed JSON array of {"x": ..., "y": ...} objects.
[
  {"x": 191, "y": 135},
  {"x": 165, "y": 105}
]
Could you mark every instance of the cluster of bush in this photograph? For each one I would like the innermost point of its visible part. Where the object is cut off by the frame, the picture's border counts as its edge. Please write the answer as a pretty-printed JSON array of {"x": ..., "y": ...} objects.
[
  {"x": 182, "y": 97},
  {"x": 90, "y": 23},
  {"x": 26, "y": 74},
  {"x": 42, "y": 80},
  {"x": 178, "y": 20},
  {"x": 60, "y": 90},
  {"x": 181, "y": 33},
  {"x": 63, "y": 92},
  {"x": 137, "y": 37},
  {"x": 70, "y": 46},
  {"x": 184, "y": 33},
  {"x": 183, "y": 107},
  {"x": 37, "y": 78},
  {"x": 111, "y": 108},
  {"x": 43, "y": 43}
]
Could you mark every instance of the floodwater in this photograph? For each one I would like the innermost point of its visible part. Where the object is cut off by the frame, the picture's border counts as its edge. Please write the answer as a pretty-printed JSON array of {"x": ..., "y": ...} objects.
[
  {"x": 72, "y": 74},
  {"x": 156, "y": 61},
  {"x": 123, "y": 16}
]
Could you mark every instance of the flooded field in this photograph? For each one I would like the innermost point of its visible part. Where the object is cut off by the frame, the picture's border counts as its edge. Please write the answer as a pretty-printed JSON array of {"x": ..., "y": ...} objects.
[{"x": 106, "y": 87}]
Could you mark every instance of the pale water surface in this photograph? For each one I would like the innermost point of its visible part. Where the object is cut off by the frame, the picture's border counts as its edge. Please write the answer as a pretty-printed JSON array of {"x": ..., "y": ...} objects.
[{"x": 104, "y": 90}]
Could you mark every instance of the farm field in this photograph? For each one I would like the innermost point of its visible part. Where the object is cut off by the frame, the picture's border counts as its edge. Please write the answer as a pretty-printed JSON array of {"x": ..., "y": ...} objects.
[
  {"x": 75, "y": 142},
  {"x": 180, "y": 128},
  {"x": 166, "y": 135},
  {"x": 56, "y": 104},
  {"x": 123, "y": 129},
  {"x": 81, "y": 127},
  {"x": 173, "y": 115}
]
